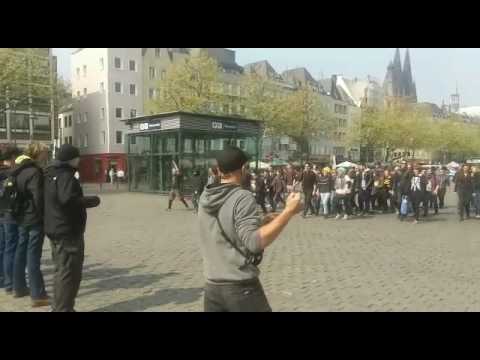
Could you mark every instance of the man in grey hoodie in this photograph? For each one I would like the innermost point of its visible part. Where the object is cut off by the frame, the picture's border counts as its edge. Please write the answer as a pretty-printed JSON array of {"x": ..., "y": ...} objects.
[{"x": 232, "y": 238}]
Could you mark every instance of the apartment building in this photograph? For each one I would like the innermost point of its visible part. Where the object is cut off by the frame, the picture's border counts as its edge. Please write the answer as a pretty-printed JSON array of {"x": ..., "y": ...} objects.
[
  {"x": 107, "y": 87},
  {"x": 27, "y": 114},
  {"x": 65, "y": 126}
]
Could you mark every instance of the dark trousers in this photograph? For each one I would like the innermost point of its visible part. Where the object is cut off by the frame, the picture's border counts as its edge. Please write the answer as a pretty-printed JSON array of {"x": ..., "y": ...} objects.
[
  {"x": 308, "y": 202},
  {"x": 29, "y": 255},
  {"x": 433, "y": 201},
  {"x": 195, "y": 198},
  {"x": 441, "y": 197},
  {"x": 260, "y": 197},
  {"x": 364, "y": 200},
  {"x": 9, "y": 234},
  {"x": 68, "y": 256},
  {"x": 342, "y": 204},
  {"x": 270, "y": 196},
  {"x": 245, "y": 296},
  {"x": 418, "y": 197},
  {"x": 383, "y": 197},
  {"x": 464, "y": 200}
]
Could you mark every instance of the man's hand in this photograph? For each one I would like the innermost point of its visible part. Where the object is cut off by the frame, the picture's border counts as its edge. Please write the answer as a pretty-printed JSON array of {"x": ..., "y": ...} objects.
[{"x": 293, "y": 203}]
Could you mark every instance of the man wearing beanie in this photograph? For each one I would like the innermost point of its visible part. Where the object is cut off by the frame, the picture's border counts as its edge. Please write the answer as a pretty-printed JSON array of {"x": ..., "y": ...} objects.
[
  {"x": 65, "y": 222},
  {"x": 232, "y": 238}
]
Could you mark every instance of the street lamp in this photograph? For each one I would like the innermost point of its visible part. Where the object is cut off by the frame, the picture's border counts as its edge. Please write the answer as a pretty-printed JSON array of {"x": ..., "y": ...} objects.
[{"x": 13, "y": 104}]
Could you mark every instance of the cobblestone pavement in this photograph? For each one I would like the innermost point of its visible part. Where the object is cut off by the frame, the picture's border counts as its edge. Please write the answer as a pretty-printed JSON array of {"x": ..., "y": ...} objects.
[{"x": 141, "y": 258}]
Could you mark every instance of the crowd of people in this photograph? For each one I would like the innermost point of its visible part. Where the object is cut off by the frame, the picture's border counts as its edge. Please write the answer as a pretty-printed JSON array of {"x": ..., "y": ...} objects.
[
  {"x": 38, "y": 199},
  {"x": 406, "y": 189}
]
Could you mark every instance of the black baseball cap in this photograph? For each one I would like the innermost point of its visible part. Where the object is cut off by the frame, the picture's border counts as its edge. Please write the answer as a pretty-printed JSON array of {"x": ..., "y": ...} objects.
[{"x": 230, "y": 159}]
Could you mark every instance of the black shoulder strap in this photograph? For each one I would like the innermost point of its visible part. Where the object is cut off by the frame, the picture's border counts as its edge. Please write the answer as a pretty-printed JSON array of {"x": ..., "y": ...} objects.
[{"x": 250, "y": 259}]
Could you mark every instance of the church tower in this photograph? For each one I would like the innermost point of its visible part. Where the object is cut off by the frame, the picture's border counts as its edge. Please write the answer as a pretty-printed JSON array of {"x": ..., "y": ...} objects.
[{"x": 399, "y": 85}]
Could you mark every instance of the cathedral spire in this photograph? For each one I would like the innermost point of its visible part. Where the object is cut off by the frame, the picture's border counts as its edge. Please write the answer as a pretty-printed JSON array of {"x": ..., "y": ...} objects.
[{"x": 407, "y": 77}]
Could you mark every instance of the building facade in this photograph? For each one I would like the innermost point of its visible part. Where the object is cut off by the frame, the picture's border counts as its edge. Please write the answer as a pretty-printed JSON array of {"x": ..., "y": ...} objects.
[
  {"x": 65, "y": 126},
  {"x": 107, "y": 87},
  {"x": 29, "y": 114}
]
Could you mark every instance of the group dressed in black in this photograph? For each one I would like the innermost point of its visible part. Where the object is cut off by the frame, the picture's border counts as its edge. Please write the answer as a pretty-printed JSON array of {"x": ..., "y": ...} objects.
[
  {"x": 407, "y": 189},
  {"x": 37, "y": 200}
]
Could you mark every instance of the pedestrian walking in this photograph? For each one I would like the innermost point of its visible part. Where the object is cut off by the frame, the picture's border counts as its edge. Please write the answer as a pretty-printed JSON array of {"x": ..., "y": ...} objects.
[
  {"x": 260, "y": 192},
  {"x": 278, "y": 188},
  {"x": 232, "y": 239},
  {"x": 198, "y": 185},
  {"x": 443, "y": 184},
  {"x": 364, "y": 186},
  {"x": 418, "y": 193},
  {"x": 432, "y": 190},
  {"x": 29, "y": 218},
  {"x": 476, "y": 190},
  {"x": 342, "y": 188},
  {"x": 65, "y": 223},
  {"x": 464, "y": 190},
  {"x": 176, "y": 190},
  {"x": 8, "y": 226},
  {"x": 324, "y": 188}
]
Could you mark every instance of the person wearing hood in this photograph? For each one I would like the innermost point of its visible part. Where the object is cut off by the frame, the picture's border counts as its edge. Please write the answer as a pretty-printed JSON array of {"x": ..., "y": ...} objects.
[
  {"x": 29, "y": 218},
  {"x": 65, "y": 222},
  {"x": 232, "y": 238}
]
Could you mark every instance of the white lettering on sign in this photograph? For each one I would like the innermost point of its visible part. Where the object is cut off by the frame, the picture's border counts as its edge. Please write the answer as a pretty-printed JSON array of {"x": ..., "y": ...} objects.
[
  {"x": 144, "y": 126},
  {"x": 217, "y": 125}
]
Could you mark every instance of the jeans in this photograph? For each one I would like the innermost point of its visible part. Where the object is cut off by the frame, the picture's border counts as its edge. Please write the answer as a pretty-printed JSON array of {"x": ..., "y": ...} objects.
[
  {"x": 325, "y": 199},
  {"x": 245, "y": 296},
  {"x": 308, "y": 203},
  {"x": 464, "y": 199},
  {"x": 364, "y": 200},
  {"x": 29, "y": 254},
  {"x": 9, "y": 234},
  {"x": 441, "y": 197},
  {"x": 68, "y": 255}
]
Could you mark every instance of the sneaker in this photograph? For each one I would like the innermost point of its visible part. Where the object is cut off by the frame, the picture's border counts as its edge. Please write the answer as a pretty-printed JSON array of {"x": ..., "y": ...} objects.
[
  {"x": 168, "y": 209},
  {"x": 338, "y": 217},
  {"x": 345, "y": 217},
  {"x": 41, "y": 302}
]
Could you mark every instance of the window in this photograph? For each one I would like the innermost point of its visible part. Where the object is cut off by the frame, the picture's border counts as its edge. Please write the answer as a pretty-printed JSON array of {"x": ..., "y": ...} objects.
[
  {"x": 85, "y": 118},
  {"x": 132, "y": 65},
  {"x": 85, "y": 140},
  {"x": 102, "y": 86},
  {"x": 119, "y": 137},
  {"x": 118, "y": 87},
  {"x": 70, "y": 140},
  {"x": 102, "y": 64},
  {"x": 65, "y": 122},
  {"x": 133, "y": 89},
  {"x": 102, "y": 137},
  {"x": 85, "y": 91},
  {"x": 188, "y": 146},
  {"x": 79, "y": 118},
  {"x": 133, "y": 113},
  {"x": 242, "y": 109},
  {"x": 69, "y": 120},
  {"x": 151, "y": 72},
  {"x": 102, "y": 113},
  {"x": 118, "y": 63},
  {"x": 118, "y": 113},
  {"x": 66, "y": 140},
  {"x": 157, "y": 52},
  {"x": 151, "y": 93},
  {"x": 84, "y": 70},
  {"x": 78, "y": 72},
  {"x": 226, "y": 108}
]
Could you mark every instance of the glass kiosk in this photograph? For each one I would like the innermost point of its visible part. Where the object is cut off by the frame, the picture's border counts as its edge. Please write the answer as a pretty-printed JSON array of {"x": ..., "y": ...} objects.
[{"x": 190, "y": 140}]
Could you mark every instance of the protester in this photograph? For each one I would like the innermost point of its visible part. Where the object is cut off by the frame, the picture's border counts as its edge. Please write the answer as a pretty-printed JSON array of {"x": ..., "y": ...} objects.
[
  {"x": 352, "y": 174},
  {"x": 432, "y": 190},
  {"x": 342, "y": 190},
  {"x": 278, "y": 189},
  {"x": 364, "y": 186},
  {"x": 396, "y": 193},
  {"x": 247, "y": 179},
  {"x": 29, "y": 183},
  {"x": 8, "y": 226},
  {"x": 464, "y": 190},
  {"x": 308, "y": 180},
  {"x": 65, "y": 222},
  {"x": 405, "y": 188},
  {"x": 176, "y": 189},
  {"x": 443, "y": 184},
  {"x": 233, "y": 239},
  {"x": 260, "y": 192},
  {"x": 290, "y": 178},
  {"x": 324, "y": 189},
  {"x": 198, "y": 185},
  {"x": 476, "y": 191},
  {"x": 418, "y": 193}
]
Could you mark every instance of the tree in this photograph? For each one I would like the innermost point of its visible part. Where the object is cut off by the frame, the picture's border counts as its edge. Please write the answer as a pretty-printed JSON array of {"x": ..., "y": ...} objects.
[
  {"x": 191, "y": 85},
  {"x": 304, "y": 117},
  {"x": 24, "y": 77}
]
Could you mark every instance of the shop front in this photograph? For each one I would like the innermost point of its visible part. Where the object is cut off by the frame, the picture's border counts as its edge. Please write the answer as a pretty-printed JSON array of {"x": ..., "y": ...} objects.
[{"x": 158, "y": 143}]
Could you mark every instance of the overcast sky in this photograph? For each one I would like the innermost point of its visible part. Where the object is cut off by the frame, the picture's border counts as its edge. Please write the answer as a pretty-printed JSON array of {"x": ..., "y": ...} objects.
[{"x": 436, "y": 71}]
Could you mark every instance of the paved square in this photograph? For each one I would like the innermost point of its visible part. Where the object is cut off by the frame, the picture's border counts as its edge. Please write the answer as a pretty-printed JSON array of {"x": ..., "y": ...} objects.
[{"x": 141, "y": 258}]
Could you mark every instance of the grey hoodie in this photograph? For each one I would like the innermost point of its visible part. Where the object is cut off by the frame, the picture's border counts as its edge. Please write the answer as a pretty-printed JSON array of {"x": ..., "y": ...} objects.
[{"x": 237, "y": 212}]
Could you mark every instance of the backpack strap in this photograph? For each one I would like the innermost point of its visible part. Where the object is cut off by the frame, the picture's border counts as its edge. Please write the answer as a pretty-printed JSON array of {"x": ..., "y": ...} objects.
[{"x": 250, "y": 258}]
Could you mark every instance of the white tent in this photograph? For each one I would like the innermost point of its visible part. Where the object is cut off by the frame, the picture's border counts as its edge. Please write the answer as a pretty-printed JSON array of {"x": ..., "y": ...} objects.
[
  {"x": 261, "y": 165},
  {"x": 347, "y": 165}
]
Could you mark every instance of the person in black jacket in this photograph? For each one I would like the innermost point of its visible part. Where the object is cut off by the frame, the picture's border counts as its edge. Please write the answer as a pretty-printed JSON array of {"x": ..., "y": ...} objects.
[
  {"x": 308, "y": 180},
  {"x": 260, "y": 191},
  {"x": 418, "y": 190},
  {"x": 198, "y": 185},
  {"x": 8, "y": 226},
  {"x": 464, "y": 190},
  {"x": 364, "y": 184},
  {"x": 29, "y": 184},
  {"x": 65, "y": 222}
]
